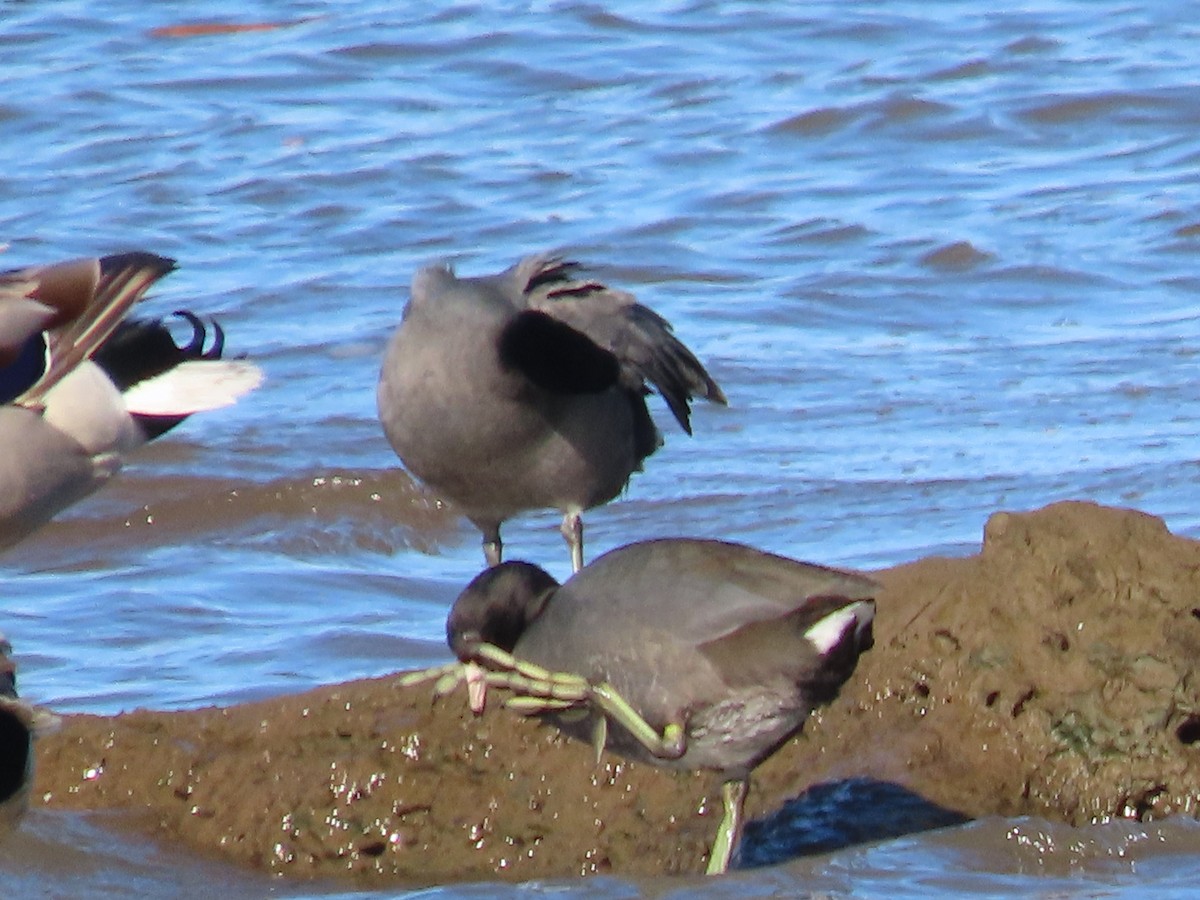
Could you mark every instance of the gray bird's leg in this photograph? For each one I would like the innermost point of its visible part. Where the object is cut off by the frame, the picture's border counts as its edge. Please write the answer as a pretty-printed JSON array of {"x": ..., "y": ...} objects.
[
  {"x": 493, "y": 547},
  {"x": 729, "y": 832},
  {"x": 572, "y": 532}
]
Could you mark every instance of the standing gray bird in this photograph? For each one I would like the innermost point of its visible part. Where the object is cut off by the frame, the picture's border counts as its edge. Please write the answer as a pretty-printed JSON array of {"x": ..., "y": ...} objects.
[
  {"x": 81, "y": 384},
  {"x": 689, "y": 654},
  {"x": 526, "y": 390}
]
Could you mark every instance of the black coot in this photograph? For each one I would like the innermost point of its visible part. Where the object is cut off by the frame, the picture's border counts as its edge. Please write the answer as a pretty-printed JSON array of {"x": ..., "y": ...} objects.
[{"x": 691, "y": 654}]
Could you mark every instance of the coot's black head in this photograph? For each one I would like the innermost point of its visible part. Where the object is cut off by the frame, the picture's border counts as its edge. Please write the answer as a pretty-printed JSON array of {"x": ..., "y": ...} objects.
[
  {"x": 497, "y": 607},
  {"x": 15, "y": 729},
  {"x": 15, "y": 747}
]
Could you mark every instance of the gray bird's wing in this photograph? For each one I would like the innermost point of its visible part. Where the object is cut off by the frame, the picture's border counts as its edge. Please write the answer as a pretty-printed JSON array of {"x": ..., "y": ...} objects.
[{"x": 641, "y": 341}]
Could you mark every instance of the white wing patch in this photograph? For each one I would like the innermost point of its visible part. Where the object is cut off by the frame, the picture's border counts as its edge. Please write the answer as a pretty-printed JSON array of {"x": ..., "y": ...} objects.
[
  {"x": 828, "y": 632},
  {"x": 195, "y": 386}
]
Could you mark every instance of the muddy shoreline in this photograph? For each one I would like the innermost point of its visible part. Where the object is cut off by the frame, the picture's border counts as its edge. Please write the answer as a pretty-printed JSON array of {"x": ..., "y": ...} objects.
[{"x": 1051, "y": 674}]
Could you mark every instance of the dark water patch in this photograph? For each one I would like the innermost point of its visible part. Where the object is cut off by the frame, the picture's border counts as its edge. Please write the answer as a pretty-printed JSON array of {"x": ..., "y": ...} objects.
[
  {"x": 902, "y": 109},
  {"x": 964, "y": 127},
  {"x": 960, "y": 256},
  {"x": 607, "y": 19},
  {"x": 833, "y": 816},
  {"x": 821, "y": 231},
  {"x": 1033, "y": 44},
  {"x": 1187, "y": 247},
  {"x": 504, "y": 75},
  {"x": 742, "y": 200},
  {"x": 817, "y": 122},
  {"x": 211, "y": 28},
  {"x": 1105, "y": 105},
  {"x": 235, "y": 84},
  {"x": 1186, "y": 283},
  {"x": 440, "y": 45},
  {"x": 691, "y": 92},
  {"x": 1045, "y": 274},
  {"x": 975, "y": 68},
  {"x": 897, "y": 110}
]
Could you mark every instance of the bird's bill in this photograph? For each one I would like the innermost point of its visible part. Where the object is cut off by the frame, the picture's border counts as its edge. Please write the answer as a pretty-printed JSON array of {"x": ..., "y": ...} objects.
[{"x": 476, "y": 679}]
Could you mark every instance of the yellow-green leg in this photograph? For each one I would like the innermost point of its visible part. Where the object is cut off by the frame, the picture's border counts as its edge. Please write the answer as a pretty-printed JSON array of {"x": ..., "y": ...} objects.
[
  {"x": 523, "y": 678},
  {"x": 730, "y": 830},
  {"x": 671, "y": 744},
  {"x": 450, "y": 674},
  {"x": 539, "y": 690}
]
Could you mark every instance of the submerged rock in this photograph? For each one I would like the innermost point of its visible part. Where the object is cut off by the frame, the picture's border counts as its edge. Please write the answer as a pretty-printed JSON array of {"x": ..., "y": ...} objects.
[{"x": 1051, "y": 674}]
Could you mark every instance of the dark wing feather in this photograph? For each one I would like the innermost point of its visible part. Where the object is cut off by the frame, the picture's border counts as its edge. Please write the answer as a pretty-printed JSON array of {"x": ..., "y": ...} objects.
[
  {"x": 759, "y": 652},
  {"x": 716, "y": 587},
  {"x": 140, "y": 349},
  {"x": 641, "y": 340},
  {"x": 555, "y": 356}
]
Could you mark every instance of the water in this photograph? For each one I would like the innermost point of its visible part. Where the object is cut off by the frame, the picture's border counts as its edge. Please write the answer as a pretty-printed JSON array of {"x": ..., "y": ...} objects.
[{"x": 940, "y": 257}]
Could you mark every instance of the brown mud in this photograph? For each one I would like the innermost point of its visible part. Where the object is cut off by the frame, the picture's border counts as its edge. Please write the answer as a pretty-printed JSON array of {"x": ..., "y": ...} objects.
[{"x": 1052, "y": 674}]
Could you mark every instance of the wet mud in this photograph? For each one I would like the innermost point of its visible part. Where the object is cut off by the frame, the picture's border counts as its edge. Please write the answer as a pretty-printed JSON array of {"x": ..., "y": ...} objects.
[{"x": 1051, "y": 674}]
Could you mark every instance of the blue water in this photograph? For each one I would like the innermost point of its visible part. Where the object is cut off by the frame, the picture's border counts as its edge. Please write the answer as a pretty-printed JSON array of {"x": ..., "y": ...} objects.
[{"x": 941, "y": 258}]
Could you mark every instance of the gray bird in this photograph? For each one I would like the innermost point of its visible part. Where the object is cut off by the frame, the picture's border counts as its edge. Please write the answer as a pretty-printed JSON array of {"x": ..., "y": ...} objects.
[
  {"x": 689, "y": 654},
  {"x": 81, "y": 384},
  {"x": 526, "y": 390}
]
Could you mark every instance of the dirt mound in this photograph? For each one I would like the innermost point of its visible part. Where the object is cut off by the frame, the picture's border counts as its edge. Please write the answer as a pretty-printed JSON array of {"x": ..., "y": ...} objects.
[{"x": 1051, "y": 674}]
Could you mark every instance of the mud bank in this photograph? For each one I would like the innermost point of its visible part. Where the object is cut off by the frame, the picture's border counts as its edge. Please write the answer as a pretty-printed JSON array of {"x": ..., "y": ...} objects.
[{"x": 1051, "y": 674}]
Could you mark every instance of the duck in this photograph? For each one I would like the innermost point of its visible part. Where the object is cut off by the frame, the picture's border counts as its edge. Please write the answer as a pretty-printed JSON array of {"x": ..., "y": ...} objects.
[
  {"x": 83, "y": 383},
  {"x": 683, "y": 653},
  {"x": 527, "y": 389}
]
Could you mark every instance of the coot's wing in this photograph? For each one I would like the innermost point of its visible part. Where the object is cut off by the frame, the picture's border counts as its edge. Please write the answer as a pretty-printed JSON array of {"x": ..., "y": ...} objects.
[{"x": 639, "y": 341}]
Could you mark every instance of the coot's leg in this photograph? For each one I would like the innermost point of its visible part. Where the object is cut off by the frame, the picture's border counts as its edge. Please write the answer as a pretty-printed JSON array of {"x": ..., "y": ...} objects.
[
  {"x": 572, "y": 532},
  {"x": 730, "y": 830},
  {"x": 671, "y": 744},
  {"x": 493, "y": 547}
]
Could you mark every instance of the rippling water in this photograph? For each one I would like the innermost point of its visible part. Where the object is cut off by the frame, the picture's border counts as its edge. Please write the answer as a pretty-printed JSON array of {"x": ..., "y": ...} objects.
[{"x": 940, "y": 257}]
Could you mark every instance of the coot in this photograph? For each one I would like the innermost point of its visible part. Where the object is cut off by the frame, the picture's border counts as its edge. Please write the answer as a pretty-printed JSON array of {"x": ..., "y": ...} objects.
[
  {"x": 690, "y": 654},
  {"x": 526, "y": 390}
]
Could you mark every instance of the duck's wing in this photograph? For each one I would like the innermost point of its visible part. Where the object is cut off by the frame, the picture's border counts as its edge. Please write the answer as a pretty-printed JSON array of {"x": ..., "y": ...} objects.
[
  {"x": 54, "y": 317},
  {"x": 163, "y": 382},
  {"x": 579, "y": 332}
]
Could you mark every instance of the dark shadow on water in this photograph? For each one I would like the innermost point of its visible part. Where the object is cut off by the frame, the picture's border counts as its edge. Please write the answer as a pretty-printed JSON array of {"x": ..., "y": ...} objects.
[{"x": 839, "y": 814}]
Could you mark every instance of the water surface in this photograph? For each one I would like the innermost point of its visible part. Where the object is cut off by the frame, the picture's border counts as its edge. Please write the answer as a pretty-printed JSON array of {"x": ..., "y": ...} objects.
[{"x": 941, "y": 259}]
